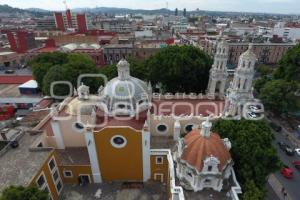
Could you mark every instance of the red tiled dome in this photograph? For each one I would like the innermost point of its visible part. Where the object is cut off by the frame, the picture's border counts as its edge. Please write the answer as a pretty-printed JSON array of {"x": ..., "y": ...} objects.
[{"x": 198, "y": 148}]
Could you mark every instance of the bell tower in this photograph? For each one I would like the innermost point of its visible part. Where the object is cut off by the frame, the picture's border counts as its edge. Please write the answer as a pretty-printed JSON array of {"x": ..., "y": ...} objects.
[
  {"x": 240, "y": 90},
  {"x": 218, "y": 72}
]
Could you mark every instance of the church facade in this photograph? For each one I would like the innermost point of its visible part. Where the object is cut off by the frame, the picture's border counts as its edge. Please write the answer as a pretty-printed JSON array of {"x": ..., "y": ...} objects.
[{"x": 127, "y": 133}]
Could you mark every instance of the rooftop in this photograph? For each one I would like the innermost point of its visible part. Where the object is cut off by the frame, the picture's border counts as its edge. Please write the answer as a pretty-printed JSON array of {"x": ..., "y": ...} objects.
[
  {"x": 74, "y": 156},
  {"x": 14, "y": 79},
  {"x": 116, "y": 191},
  {"x": 195, "y": 107},
  {"x": 19, "y": 165}
]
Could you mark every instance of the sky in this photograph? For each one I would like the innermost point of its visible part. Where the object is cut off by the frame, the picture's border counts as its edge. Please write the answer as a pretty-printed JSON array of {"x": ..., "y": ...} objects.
[{"x": 265, "y": 6}]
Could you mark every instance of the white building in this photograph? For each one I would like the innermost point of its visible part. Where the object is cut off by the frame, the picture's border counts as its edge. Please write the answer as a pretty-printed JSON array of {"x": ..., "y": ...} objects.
[
  {"x": 203, "y": 159},
  {"x": 218, "y": 73},
  {"x": 240, "y": 91}
]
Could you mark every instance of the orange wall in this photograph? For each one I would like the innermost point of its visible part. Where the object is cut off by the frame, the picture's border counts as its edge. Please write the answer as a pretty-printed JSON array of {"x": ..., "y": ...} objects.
[
  {"x": 76, "y": 171},
  {"x": 159, "y": 168},
  {"x": 120, "y": 164},
  {"x": 44, "y": 169}
]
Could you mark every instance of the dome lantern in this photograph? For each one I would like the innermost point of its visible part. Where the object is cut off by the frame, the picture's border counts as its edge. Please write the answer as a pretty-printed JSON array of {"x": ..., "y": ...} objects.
[
  {"x": 123, "y": 70},
  {"x": 205, "y": 128}
]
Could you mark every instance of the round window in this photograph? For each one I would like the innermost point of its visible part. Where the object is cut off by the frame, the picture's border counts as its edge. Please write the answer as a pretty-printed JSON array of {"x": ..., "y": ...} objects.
[
  {"x": 162, "y": 128},
  {"x": 188, "y": 128},
  {"x": 118, "y": 141},
  {"x": 79, "y": 127}
]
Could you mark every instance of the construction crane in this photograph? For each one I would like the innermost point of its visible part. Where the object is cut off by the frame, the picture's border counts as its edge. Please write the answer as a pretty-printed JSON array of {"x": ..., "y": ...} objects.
[{"x": 65, "y": 3}]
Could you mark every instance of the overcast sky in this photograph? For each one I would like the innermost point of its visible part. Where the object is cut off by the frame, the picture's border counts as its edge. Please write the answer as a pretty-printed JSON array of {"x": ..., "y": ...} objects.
[{"x": 270, "y": 6}]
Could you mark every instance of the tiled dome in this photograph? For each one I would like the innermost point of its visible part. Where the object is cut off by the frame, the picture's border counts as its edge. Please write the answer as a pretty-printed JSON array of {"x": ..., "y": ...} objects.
[{"x": 198, "y": 147}]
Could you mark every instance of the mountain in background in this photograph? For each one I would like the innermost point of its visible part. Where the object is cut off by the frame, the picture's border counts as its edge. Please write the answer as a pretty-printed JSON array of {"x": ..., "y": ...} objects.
[
  {"x": 112, "y": 10},
  {"x": 8, "y": 9},
  {"x": 36, "y": 10}
]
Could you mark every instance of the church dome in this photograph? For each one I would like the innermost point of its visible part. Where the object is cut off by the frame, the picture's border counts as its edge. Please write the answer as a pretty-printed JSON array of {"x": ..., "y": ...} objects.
[
  {"x": 198, "y": 147},
  {"x": 125, "y": 94}
]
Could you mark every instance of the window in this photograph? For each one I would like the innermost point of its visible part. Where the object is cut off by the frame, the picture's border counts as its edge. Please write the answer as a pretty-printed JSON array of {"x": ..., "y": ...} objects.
[
  {"x": 55, "y": 175},
  {"x": 189, "y": 174},
  {"x": 207, "y": 181},
  {"x": 209, "y": 168},
  {"x": 118, "y": 141},
  {"x": 58, "y": 186},
  {"x": 188, "y": 128},
  {"x": 51, "y": 165},
  {"x": 121, "y": 106},
  {"x": 68, "y": 174},
  {"x": 41, "y": 181},
  {"x": 159, "y": 160},
  {"x": 162, "y": 128},
  {"x": 79, "y": 125}
]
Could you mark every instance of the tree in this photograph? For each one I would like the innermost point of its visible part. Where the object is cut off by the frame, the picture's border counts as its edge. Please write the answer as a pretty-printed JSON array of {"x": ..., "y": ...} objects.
[
  {"x": 180, "y": 69},
  {"x": 252, "y": 192},
  {"x": 260, "y": 83},
  {"x": 56, "y": 73},
  {"x": 24, "y": 193},
  {"x": 279, "y": 95},
  {"x": 57, "y": 66},
  {"x": 137, "y": 69},
  {"x": 264, "y": 70},
  {"x": 252, "y": 151},
  {"x": 289, "y": 65},
  {"x": 43, "y": 62},
  {"x": 278, "y": 92}
]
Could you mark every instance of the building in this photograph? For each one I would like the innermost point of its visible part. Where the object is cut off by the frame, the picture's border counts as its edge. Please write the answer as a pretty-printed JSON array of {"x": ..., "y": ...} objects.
[
  {"x": 70, "y": 21},
  {"x": 266, "y": 52},
  {"x": 240, "y": 93},
  {"x": 20, "y": 41},
  {"x": 218, "y": 73},
  {"x": 114, "y": 52},
  {"x": 203, "y": 159},
  {"x": 47, "y": 23},
  {"x": 88, "y": 138}
]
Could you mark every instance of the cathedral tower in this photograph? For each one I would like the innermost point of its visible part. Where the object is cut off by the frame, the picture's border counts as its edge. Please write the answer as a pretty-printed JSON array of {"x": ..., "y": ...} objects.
[
  {"x": 240, "y": 90},
  {"x": 218, "y": 72}
]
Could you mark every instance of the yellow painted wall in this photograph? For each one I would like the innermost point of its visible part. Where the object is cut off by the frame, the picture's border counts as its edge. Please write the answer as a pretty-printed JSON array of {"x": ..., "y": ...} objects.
[
  {"x": 159, "y": 168},
  {"x": 76, "y": 171},
  {"x": 45, "y": 169},
  {"x": 120, "y": 164}
]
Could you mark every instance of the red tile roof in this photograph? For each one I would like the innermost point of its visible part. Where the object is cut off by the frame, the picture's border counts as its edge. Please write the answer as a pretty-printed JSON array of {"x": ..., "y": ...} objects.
[
  {"x": 14, "y": 79},
  {"x": 198, "y": 148}
]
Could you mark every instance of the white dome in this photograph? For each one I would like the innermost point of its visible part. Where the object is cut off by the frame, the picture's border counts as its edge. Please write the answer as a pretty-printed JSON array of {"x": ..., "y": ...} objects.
[{"x": 125, "y": 94}]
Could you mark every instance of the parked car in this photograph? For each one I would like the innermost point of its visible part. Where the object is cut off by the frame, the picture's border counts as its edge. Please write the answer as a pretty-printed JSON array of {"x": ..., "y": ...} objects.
[
  {"x": 296, "y": 164},
  {"x": 9, "y": 71},
  {"x": 275, "y": 127},
  {"x": 289, "y": 150},
  {"x": 297, "y": 151},
  {"x": 286, "y": 148},
  {"x": 282, "y": 145},
  {"x": 252, "y": 115},
  {"x": 254, "y": 108},
  {"x": 287, "y": 172}
]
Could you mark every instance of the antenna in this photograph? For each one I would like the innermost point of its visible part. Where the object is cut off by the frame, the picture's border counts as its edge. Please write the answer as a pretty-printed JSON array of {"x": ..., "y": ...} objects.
[
  {"x": 65, "y": 2},
  {"x": 167, "y": 4}
]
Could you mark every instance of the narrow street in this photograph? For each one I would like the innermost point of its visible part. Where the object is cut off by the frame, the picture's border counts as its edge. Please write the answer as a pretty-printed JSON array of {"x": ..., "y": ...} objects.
[{"x": 292, "y": 186}]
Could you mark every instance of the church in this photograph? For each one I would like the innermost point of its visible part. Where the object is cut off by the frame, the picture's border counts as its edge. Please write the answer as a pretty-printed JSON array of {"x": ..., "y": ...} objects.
[{"x": 127, "y": 133}]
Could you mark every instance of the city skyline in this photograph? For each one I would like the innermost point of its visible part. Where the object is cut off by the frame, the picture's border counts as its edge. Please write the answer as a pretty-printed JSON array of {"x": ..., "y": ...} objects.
[{"x": 264, "y": 6}]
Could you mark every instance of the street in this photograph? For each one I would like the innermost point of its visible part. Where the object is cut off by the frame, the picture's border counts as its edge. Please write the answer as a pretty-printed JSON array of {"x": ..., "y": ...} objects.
[{"x": 292, "y": 186}]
